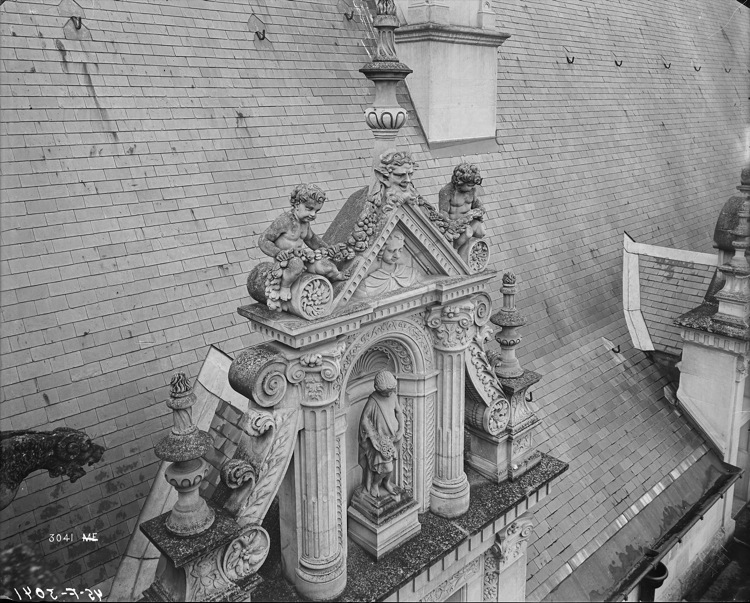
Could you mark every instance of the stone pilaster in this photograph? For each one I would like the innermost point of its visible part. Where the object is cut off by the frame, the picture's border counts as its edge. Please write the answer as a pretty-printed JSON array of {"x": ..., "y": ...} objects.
[{"x": 453, "y": 329}]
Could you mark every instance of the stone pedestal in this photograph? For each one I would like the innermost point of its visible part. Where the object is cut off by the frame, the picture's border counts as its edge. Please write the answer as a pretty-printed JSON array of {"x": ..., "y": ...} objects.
[
  {"x": 487, "y": 454},
  {"x": 381, "y": 524}
]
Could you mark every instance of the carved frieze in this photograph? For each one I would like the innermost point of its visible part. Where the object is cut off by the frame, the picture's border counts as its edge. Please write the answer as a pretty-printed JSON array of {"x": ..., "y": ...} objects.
[{"x": 447, "y": 588}]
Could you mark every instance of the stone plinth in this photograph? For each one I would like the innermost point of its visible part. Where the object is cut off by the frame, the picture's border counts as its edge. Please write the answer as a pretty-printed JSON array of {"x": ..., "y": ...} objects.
[{"x": 381, "y": 524}]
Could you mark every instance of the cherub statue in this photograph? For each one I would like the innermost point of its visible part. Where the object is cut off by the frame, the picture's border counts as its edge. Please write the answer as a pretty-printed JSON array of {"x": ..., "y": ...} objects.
[
  {"x": 388, "y": 274},
  {"x": 295, "y": 247},
  {"x": 381, "y": 430},
  {"x": 460, "y": 204}
]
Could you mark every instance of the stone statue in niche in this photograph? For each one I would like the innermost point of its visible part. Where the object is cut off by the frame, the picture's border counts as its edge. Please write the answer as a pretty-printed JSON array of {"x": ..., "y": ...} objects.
[
  {"x": 460, "y": 203},
  {"x": 295, "y": 247},
  {"x": 381, "y": 430},
  {"x": 385, "y": 7},
  {"x": 388, "y": 274}
]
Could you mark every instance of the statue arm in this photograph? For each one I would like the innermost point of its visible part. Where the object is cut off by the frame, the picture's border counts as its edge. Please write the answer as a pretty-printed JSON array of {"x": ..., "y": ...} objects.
[
  {"x": 477, "y": 204},
  {"x": 267, "y": 241},
  {"x": 366, "y": 428},
  {"x": 400, "y": 419}
]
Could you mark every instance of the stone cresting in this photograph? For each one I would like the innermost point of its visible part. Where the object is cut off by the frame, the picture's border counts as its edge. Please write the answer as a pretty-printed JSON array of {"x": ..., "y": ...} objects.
[{"x": 61, "y": 452}]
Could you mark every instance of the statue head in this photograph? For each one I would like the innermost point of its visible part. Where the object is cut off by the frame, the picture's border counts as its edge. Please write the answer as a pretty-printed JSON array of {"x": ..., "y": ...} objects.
[
  {"x": 391, "y": 251},
  {"x": 385, "y": 382},
  {"x": 395, "y": 170},
  {"x": 307, "y": 199},
  {"x": 466, "y": 177}
]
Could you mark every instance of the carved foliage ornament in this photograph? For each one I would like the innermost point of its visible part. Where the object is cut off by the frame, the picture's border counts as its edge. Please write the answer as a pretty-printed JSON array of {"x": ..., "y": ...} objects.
[
  {"x": 494, "y": 419},
  {"x": 451, "y": 324}
]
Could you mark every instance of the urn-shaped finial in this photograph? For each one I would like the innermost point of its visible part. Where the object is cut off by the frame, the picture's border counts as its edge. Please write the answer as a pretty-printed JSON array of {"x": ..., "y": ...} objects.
[{"x": 184, "y": 447}]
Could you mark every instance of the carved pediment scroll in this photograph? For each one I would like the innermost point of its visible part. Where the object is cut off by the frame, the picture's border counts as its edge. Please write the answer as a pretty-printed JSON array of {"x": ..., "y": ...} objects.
[{"x": 487, "y": 407}]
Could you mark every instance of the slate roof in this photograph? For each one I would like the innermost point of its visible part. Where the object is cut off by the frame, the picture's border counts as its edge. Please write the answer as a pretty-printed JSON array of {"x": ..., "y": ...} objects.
[
  {"x": 604, "y": 413},
  {"x": 669, "y": 289},
  {"x": 144, "y": 154}
]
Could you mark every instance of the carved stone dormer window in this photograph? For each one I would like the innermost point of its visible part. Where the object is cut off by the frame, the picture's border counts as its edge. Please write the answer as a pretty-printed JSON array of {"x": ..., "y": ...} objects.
[{"x": 451, "y": 46}]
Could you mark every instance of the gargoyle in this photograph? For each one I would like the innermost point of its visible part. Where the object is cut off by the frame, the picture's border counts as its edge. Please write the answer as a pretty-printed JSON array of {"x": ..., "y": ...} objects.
[{"x": 63, "y": 451}]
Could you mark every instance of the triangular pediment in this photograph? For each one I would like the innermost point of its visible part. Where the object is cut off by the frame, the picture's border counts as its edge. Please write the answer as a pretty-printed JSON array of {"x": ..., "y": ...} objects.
[{"x": 406, "y": 251}]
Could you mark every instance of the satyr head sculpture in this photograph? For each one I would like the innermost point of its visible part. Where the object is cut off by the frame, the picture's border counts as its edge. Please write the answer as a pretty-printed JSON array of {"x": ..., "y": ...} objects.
[
  {"x": 381, "y": 429},
  {"x": 291, "y": 241},
  {"x": 395, "y": 171}
]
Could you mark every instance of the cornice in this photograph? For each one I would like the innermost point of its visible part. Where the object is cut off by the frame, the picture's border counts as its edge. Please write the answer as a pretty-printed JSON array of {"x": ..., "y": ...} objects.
[{"x": 450, "y": 34}]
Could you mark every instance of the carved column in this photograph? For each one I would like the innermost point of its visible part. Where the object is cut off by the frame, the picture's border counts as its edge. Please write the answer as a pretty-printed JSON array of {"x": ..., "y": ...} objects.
[
  {"x": 321, "y": 560},
  {"x": 452, "y": 328}
]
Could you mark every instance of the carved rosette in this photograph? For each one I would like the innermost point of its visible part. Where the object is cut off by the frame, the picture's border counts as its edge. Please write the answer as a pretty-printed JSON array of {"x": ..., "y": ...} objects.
[
  {"x": 452, "y": 326},
  {"x": 511, "y": 542},
  {"x": 258, "y": 373},
  {"x": 245, "y": 554},
  {"x": 476, "y": 254},
  {"x": 312, "y": 297}
]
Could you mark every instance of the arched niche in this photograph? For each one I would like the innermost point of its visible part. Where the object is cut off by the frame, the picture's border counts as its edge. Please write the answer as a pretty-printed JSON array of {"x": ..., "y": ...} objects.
[{"x": 400, "y": 356}]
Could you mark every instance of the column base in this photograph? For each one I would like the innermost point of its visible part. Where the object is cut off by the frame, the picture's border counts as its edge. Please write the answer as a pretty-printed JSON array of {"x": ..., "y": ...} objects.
[
  {"x": 322, "y": 585},
  {"x": 450, "y": 499}
]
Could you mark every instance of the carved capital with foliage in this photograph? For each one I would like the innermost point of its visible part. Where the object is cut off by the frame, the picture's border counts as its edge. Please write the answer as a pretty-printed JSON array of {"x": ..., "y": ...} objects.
[
  {"x": 317, "y": 372},
  {"x": 452, "y": 325}
]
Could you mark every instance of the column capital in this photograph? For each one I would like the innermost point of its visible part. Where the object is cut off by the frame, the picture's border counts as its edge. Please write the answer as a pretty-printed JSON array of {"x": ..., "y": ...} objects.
[
  {"x": 317, "y": 371},
  {"x": 452, "y": 325}
]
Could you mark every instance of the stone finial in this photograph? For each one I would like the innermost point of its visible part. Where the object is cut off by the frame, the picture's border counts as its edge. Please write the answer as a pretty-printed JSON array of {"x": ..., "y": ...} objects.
[
  {"x": 509, "y": 320},
  {"x": 385, "y": 117},
  {"x": 734, "y": 297},
  {"x": 184, "y": 447}
]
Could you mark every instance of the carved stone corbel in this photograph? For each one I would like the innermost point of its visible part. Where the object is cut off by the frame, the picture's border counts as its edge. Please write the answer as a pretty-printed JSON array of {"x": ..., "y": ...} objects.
[{"x": 511, "y": 542}]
